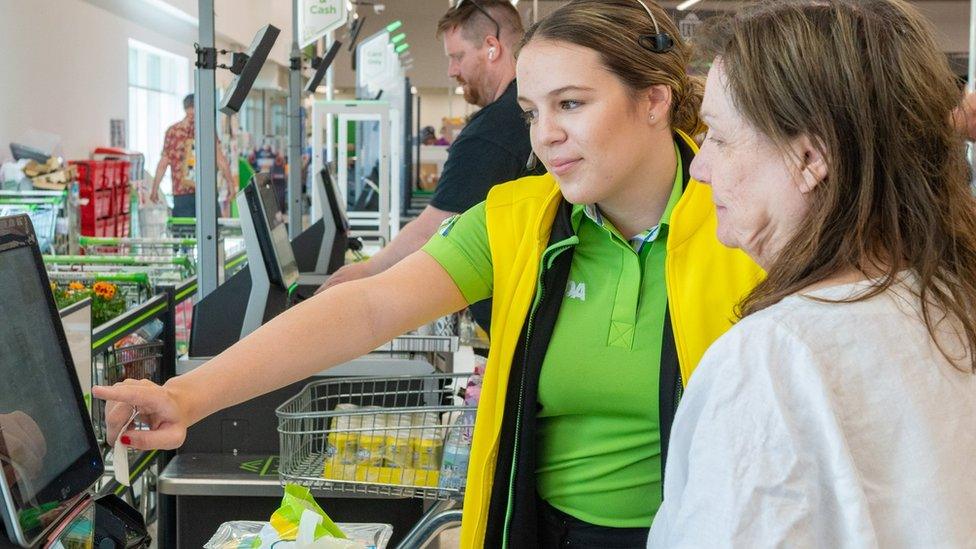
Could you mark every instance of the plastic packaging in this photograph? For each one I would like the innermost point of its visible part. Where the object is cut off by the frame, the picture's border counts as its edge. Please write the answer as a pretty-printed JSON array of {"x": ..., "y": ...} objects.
[
  {"x": 246, "y": 534},
  {"x": 457, "y": 449}
]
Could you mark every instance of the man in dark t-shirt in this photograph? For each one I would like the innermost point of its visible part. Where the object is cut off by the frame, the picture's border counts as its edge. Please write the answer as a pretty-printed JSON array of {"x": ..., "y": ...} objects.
[{"x": 479, "y": 37}]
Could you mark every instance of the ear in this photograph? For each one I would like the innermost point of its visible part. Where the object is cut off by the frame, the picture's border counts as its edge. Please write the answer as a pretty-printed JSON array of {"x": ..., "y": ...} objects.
[
  {"x": 492, "y": 44},
  {"x": 813, "y": 164},
  {"x": 658, "y": 102}
]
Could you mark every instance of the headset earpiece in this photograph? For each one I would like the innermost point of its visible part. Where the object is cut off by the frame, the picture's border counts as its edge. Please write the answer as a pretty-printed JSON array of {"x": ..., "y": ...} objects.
[
  {"x": 656, "y": 43},
  {"x": 659, "y": 42},
  {"x": 491, "y": 53}
]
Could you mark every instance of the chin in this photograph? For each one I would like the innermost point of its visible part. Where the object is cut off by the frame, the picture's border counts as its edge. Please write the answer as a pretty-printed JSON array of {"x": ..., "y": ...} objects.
[{"x": 727, "y": 239}]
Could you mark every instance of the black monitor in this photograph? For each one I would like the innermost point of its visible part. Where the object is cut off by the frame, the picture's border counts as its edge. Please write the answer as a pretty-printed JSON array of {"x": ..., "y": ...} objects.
[
  {"x": 321, "y": 66},
  {"x": 272, "y": 234},
  {"x": 309, "y": 244},
  {"x": 49, "y": 456},
  {"x": 247, "y": 72}
]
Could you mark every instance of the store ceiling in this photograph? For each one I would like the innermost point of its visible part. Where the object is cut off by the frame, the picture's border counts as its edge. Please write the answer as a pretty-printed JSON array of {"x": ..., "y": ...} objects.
[{"x": 420, "y": 17}]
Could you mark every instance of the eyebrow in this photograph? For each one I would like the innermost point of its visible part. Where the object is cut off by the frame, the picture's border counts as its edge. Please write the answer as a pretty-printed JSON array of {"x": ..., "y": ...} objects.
[{"x": 560, "y": 91}]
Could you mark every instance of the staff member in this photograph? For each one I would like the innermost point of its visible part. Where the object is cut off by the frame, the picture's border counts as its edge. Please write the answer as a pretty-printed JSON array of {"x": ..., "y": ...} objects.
[
  {"x": 609, "y": 283},
  {"x": 479, "y": 37}
]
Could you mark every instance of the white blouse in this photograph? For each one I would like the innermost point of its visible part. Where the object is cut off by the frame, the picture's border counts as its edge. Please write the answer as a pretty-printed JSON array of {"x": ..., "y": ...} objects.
[{"x": 812, "y": 424}]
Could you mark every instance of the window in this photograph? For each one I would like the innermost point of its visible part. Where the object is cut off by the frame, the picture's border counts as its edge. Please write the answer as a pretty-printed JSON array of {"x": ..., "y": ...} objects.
[{"x": 158, "y": 81}]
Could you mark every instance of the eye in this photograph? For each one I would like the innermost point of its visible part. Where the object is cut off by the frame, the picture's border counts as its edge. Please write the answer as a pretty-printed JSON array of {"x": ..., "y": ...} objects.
[
  {"x": 710, "y": 136},
  {"x": 569, "y": 104},
  {"x": 529, "y": 116}
]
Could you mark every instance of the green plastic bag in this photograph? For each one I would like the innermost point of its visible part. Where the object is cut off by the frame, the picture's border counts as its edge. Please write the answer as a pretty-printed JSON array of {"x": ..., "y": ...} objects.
[{"x": 297, "y": 500}]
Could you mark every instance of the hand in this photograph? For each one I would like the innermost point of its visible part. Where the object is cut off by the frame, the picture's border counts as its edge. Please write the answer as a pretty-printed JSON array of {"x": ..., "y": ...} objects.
[
  {"x": 158, "y": 408},
  {"x": 24, "y": 443},
  {"x": 348, "y": 273},
  {"x": 154, "y": 195}
]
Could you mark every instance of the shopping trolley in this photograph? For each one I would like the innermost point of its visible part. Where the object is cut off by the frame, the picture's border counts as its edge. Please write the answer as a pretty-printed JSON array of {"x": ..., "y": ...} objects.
[
  {"x": 160, "y": 270},
  {"x": 405, "y": 436},
  {"x": 114, "y": 365},
  {"x": 134, "y": 247},
  {"x": 43, "y": 212},
  {"x": 143, "y": 361}
]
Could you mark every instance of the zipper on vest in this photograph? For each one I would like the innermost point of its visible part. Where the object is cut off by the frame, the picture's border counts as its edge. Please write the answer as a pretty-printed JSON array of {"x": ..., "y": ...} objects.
[{"x": 550, "y": 253}]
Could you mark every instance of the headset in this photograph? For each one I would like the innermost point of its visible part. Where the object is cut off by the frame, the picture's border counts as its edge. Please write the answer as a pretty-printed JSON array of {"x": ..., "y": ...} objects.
[
  {"x": 491, "y": 53},
  {"x": 659, "y": 42}
]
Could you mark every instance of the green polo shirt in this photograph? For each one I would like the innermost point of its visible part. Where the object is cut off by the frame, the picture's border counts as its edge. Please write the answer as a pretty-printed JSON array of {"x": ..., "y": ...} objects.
[{"x": 599, "y": 456}]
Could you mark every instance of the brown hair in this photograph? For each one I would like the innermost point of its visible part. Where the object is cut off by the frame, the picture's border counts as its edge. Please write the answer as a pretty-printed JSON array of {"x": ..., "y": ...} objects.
[
  {"x": 866, "y": 80},
  {"x": 475, "y": 26},
  {"x": 612, "y": 28}
]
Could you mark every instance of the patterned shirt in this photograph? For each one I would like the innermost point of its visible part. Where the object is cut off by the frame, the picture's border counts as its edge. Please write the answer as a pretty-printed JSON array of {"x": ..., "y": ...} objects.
[{"x": 179, "y": 156}]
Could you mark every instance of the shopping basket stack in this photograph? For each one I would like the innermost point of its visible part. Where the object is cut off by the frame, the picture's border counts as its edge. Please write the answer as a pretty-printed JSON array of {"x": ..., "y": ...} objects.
[{"x": 103, "y": 186}]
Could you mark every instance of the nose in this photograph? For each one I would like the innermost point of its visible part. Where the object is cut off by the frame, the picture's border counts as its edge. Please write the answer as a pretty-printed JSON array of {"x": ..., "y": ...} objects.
[
  {"x": 548, "y": 131},
  {"x": 453, "y": 70},
  {"x": 699, "y": 169}
]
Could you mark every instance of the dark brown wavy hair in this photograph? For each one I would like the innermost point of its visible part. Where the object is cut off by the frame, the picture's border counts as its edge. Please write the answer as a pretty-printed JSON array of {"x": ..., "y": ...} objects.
[
  {"x": 612, "y": 29},
  {"x": 865, "y": 79}
]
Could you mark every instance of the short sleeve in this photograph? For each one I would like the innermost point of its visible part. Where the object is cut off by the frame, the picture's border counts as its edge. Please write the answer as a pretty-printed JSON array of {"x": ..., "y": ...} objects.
[
  {"x": 461, "y": 247},
  {"x": 169, "y": 147},
  {"x": 472, "y": 168}
]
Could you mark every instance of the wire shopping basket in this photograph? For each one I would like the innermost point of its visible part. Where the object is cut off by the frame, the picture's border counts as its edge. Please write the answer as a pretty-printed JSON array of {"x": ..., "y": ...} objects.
[
  {"x": 142, "y": 361},
  {"x": 406, "y": 436}
]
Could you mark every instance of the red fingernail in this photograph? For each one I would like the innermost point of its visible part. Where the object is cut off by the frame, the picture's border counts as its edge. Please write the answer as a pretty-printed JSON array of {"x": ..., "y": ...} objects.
[{"x": 125, "y": 440}]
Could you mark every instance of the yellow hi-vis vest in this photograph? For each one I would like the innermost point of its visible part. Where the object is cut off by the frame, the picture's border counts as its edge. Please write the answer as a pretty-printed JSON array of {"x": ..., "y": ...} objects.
[{"x": 705, "y": 280}]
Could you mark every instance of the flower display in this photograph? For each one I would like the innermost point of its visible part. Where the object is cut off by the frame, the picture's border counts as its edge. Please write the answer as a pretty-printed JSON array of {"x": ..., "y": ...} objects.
[
  {"x": 104, "y": 290},
  {"x": 107, "y": 301}
]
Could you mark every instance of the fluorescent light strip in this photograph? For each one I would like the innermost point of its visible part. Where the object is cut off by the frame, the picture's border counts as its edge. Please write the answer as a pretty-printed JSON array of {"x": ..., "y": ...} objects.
[
  {"x": 687, "y": 4},
  {"x": 169, "y": 9}
]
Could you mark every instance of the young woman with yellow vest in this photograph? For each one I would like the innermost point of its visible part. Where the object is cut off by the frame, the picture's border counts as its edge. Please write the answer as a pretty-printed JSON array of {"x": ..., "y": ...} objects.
[{"x": 608, "y": 284}]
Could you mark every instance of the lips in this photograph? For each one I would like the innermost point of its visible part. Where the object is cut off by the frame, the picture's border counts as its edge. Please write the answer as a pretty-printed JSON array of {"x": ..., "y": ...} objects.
[{"x": 561, "y": 166}]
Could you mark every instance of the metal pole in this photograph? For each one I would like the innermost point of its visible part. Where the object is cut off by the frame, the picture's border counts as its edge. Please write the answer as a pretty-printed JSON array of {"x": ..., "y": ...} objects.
[
  {"x": 206, "y": 156},
  {"x": 971, "y": 85},
  {"x": 295, "y": 130},
  {"x": 972, "y": 45}
]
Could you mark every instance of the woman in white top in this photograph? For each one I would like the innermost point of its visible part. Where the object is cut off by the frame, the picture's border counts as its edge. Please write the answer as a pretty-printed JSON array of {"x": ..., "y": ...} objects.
[{"x": 841, "y": 410}]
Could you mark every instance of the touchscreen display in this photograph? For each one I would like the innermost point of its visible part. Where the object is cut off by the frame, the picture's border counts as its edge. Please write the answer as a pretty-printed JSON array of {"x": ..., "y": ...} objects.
[
  {"x": 42, "y": 433},
  {"x": 283, "y": 252}
]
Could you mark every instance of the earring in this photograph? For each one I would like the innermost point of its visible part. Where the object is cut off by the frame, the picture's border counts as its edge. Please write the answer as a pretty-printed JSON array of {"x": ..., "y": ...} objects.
[{"x": 652, "y": 117}]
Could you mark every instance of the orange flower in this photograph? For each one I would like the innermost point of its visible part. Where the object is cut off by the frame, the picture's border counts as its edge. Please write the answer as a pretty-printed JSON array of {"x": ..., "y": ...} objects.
[
  {"x": 77, "y": 286},
  {"x": 104, "y": 290}
]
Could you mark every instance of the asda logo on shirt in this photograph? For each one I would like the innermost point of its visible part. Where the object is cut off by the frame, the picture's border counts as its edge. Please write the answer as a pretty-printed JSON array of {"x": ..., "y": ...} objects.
[
  {"x": 576, "y": 290},
  {"x": 447, "y": 225}
]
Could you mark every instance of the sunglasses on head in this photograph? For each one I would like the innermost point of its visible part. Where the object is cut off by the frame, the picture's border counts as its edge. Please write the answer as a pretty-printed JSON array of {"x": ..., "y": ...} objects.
[{"x": 477, "y": 6}]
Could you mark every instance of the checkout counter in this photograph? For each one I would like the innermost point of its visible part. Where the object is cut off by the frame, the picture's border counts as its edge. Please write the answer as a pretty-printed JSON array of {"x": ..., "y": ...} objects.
[
  {"x": 227, "y": 468},
  {"x": 50, "y": 458}
]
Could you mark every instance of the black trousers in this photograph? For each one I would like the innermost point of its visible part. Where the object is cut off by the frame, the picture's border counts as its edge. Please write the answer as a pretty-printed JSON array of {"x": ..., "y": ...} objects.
[{"x": 557, "y": 529}]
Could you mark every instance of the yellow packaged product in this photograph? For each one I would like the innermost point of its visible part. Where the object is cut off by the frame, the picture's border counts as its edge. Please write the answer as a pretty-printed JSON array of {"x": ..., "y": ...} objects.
[
  {"x": 427, "y": 451},
  {"x": 398, "y": 451},
  {"x": 370, "y": 449}
]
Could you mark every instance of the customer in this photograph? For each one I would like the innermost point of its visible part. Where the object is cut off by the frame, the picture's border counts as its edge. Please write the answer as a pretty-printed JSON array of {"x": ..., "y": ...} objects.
[
  {"x": 841, "y": 411},
  {"x": 608, "y": 280},
  {"x": 480, "y": 37},
  {"x": 178, "y": 155}
]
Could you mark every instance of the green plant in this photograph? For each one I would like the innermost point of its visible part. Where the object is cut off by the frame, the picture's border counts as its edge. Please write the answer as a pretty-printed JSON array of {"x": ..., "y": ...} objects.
[{"x": 107, "y": 302}]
